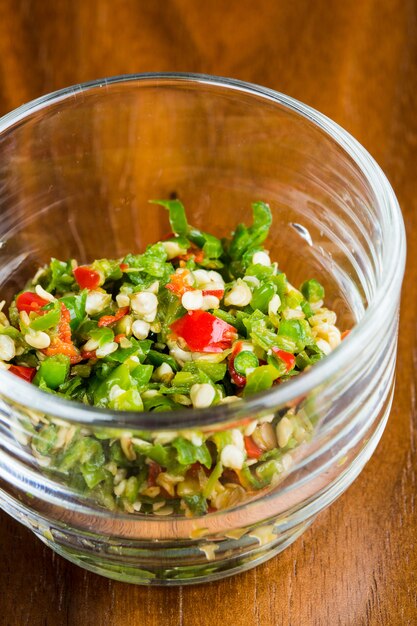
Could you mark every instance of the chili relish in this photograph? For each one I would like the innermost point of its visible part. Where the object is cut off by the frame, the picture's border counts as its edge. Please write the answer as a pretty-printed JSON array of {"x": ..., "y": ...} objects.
[{"x": 194, "y": 321}]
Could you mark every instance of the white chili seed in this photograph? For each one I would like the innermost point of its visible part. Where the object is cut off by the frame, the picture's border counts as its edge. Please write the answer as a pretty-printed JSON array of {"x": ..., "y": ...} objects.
[
  {"x": 216, "y": 277},
  {"x": 140, "y": 329},
  {"x": 107, "y": 349},
  {"x": 192, "y": 300},
  {"x": 173, "y": 249},
  {"x": 252, "y": 280},
  {"x": 210, "y": 302},
  {"x": 274, "y": 304},
  {"x": 144, "y": 303},
  {"x": 119, "y": 489},
  {"x": 38, "y": 340},
  {"x": 42, "y": 293},
  {"x": 96, "y": 302},
  {"x": 163, "y": 373},
  {"x": 202, "y": 277},
  {"x": 261, "y": 258},
  {"x": 90, "y": 345},
  {"x": 232, "y": 457},
  {"x": 240, "y": 295},
  {"x": 284, "y": 431},
  {"x": 122, "y": 300},
  {"x": 324, "y": 346},
  {"x": 202, "y": 395},
  {"x": 7, "y": 348}
]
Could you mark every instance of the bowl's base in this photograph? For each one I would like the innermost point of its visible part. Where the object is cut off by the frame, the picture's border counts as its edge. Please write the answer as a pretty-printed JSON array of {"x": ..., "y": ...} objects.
[{"x": 229, "y": 563}]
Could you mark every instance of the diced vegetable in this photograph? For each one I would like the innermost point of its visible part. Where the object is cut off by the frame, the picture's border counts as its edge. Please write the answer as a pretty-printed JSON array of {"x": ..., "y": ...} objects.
[
  {"x": 86, "y": 277},
  {"x": 260, "y": 379},
  {"x": 312, "y": 290},
  {"x": 29, "y": 301},
  {"x": 25, "y": 373},
  {"x": 244, "y": 361},
  {"x": 53, "y": 370},
  {"x": 286, "y": 357},
  {"x": 203, "y": 332}
]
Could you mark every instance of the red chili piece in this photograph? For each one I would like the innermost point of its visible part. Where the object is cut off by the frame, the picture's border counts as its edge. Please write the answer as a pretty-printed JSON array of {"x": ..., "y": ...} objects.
[
  {"x": 86, "y": 277},
  {"x": 219, "y": 293},
  {"x": 25, "y": 373},
  {"x": 345, "y": 334},
  {"x": 119, "y": 337},
  {"x": 124, "y": 266},
  {"x": 88, "y": 354},
  {"x": 62, "y": 342},
  {"x": 252, "y": 450},
  {"x": 107, "y": 320},
  {"x": 29, "y": 301},
  {"x": 237, "y": 379},
  {"x": 204, "y": 332},
  {"x": 287, "y": 357},
  {"x": 178, "y": 283}
]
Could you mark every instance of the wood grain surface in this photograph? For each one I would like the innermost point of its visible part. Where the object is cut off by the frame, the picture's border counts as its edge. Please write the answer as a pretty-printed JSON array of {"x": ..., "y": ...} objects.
[{"x": 356, "y": 61}]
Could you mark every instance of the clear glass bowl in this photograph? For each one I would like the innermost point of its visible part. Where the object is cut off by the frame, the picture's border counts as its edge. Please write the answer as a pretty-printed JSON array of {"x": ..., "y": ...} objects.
[{"x": 77, "y": 169}]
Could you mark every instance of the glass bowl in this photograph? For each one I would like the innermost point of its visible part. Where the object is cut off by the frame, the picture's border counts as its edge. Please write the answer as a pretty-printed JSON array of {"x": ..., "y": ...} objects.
[{"x": 78, "y": 168}]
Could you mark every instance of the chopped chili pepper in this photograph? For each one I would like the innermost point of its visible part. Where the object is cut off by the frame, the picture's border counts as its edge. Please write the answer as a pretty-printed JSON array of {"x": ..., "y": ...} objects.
[
  {"x": 204, "y": 332},
  {"x": 287, "y": 357},
  {"x": 117, "y": 338},
  {"x": 252, "y": 450},
  {"x": 124, "y": 266},
  {"x": 62, "y": 343},
  {"x": 59, "y": 347},
  {"x": 219, "y": 293},
  {"x": 86, "y": 277},
  {"x": 107, "y": 320},
  {"x": 345, "y": 334},
  {"x": 178, "y": 283},
  {"x": 64, "y": 328},
  {"x": 29, "y": 301},
  {"x": 237, "y": 379},
  {"x": 25, "y": 373},
  {"x": 198, "y": 255},
  {"x": 88, "y": 354}
]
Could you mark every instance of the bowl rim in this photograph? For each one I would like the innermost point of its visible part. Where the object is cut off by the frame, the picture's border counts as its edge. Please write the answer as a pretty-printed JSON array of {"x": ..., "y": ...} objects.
[{"x": 387, "y": 289}]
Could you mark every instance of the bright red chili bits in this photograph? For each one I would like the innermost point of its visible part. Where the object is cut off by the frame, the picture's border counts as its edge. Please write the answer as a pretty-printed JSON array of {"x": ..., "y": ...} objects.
[
  {"x": 86, "y": 277},
  {"x": 252, "y": 450},
  {"x": 25, "y": 373},
  {"x": 108, "y": 320},
  {"x": 286, "y": 357},
  {"x": 29, "y": 301},
  {"x": 204, "y": 332},
  {"x": 61, "y": 341}
]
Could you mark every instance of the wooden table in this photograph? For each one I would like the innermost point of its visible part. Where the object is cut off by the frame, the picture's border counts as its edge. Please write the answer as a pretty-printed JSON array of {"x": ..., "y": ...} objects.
[{"x": 356, "y": 61}]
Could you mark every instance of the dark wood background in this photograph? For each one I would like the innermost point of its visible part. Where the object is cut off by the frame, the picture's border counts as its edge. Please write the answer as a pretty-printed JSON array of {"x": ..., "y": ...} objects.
[{"x": 356, "y": 61}]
